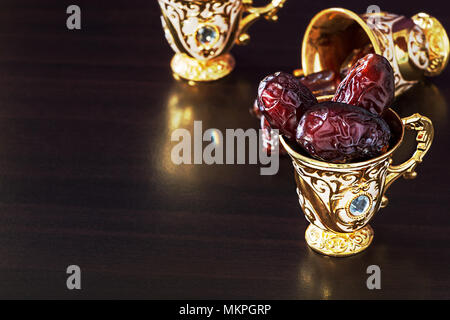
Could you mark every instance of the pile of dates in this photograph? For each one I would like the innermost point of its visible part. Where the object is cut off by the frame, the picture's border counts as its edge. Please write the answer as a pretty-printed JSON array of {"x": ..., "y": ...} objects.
[{"x": 346, "y": 129}]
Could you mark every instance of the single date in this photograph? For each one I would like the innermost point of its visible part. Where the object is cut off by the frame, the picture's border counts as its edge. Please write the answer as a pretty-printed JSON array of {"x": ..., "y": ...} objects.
[
  {"x": 340, "y": 133},
  {"x": 283, "y": 99},
  {"x": 369, "y": 84}
]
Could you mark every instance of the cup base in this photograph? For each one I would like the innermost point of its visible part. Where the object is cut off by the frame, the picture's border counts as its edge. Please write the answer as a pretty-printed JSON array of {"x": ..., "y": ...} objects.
[
  {"x": 191, "y": 69},
  {"x": 338, "y": 244}
]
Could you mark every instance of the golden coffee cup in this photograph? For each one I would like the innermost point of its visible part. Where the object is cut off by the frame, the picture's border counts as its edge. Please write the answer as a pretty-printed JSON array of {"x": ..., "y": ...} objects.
[
  {"x": 339, "y": 200},
  {"x": 415, "y": 47},
  {"x": 202, "y": 32}
]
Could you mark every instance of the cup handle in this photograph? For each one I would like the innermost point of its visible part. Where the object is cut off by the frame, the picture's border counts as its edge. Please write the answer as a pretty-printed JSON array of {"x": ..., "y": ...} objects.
[
  {"x": 425, "y": 133},
  {"x": 269, "y": 12}
]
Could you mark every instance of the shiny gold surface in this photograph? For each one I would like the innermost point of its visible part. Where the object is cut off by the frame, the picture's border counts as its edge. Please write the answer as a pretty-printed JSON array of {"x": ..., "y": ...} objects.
[
  {"x": 413, "y": 50},
  {"x": 326, "y": 189},
  {"x": 338, "y": 244},
  {"x": 331, "y": 36},
  {"x": 196, "y": 70},
  {"x": 438, "y": 42},
  {"x": 425, "y": 134},
  {"x": 184, "y": 20}
]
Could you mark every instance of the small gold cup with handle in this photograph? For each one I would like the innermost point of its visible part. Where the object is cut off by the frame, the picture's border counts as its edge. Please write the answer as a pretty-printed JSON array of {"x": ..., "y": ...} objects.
[
  {"x": 339, "y": 200},
  {"x": 202, "y": 32}
]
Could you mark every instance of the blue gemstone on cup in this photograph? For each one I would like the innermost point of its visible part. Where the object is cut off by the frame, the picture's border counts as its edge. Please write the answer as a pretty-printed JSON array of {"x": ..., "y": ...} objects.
[
  {"x": 206, "y": 35},
  {"x": 359, "y": 205}
]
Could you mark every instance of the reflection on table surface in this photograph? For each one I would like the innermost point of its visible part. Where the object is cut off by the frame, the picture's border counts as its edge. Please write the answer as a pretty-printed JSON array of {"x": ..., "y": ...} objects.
[
  {"x": 425, "y": 98},
  {"x": 86, "y": 175},
  {"x": 263, "y": 203}
]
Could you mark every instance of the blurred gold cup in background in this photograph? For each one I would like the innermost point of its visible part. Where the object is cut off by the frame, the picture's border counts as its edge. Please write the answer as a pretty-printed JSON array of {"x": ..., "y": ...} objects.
[{"x": 202, "y": 32}]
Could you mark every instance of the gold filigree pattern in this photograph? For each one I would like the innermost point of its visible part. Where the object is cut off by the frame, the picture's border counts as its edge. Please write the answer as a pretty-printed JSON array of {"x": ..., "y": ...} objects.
[
  {"x": 417, "y": 48},
  {"x": 205, "y": 31},
  {"x": 213, "y": 69},
  {"x": 186, "y": 18},
  {"x": 414, "y": 47},
  {"x": 427, "y": 46},
  {"x": 326, "y": 190},
  {"x": 424, "y": 137},
  {"x": 437, "y": 40},
  {"x": 338, "y": 244},
  {"x": 331, "y": 190},
  {"x": 388, "y": 41}
]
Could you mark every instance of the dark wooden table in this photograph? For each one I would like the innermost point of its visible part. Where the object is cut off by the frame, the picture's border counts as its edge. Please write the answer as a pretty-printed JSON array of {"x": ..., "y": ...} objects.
[{"x": 86, "y": 176}]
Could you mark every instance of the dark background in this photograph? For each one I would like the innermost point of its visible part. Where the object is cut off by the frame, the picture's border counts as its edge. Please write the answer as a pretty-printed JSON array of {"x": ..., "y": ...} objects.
[{"x": 86, "y": 176}]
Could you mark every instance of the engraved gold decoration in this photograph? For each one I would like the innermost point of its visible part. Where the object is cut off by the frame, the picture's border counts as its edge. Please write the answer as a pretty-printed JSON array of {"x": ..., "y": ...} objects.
[
  {"x": 202, "y": 32},
  {"x": 415, "y": 47},
  {"x": 438, "y": 42},
  {"x": 338, "y": 244},
  {"x": 189, "y": 68},
  {"x": 340, "y": 199}
]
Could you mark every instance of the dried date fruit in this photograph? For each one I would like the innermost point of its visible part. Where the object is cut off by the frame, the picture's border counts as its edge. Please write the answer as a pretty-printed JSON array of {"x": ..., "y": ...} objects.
[
  {"x": 369, "y": 84},
  {"x": 321, "y": 83},
  {"x": 282, "y": 100},
  {"x": 269, "y": 139},
  {"x": 340, "y": 133},
  {"x": 353, "y": 57}
]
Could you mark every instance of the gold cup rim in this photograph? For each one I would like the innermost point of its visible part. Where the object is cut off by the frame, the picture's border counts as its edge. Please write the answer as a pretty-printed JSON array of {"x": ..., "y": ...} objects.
[
  {"x": 327, "y": 165},
  {"x": 345, "y": 12}
]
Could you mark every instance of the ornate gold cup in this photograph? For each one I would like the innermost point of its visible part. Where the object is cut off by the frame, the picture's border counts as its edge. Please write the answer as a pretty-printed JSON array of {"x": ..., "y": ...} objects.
[
  {"x": 340, "y": 199},
  {"x": 414, "y": 46},
  {"x": 202, "y": 32}
]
